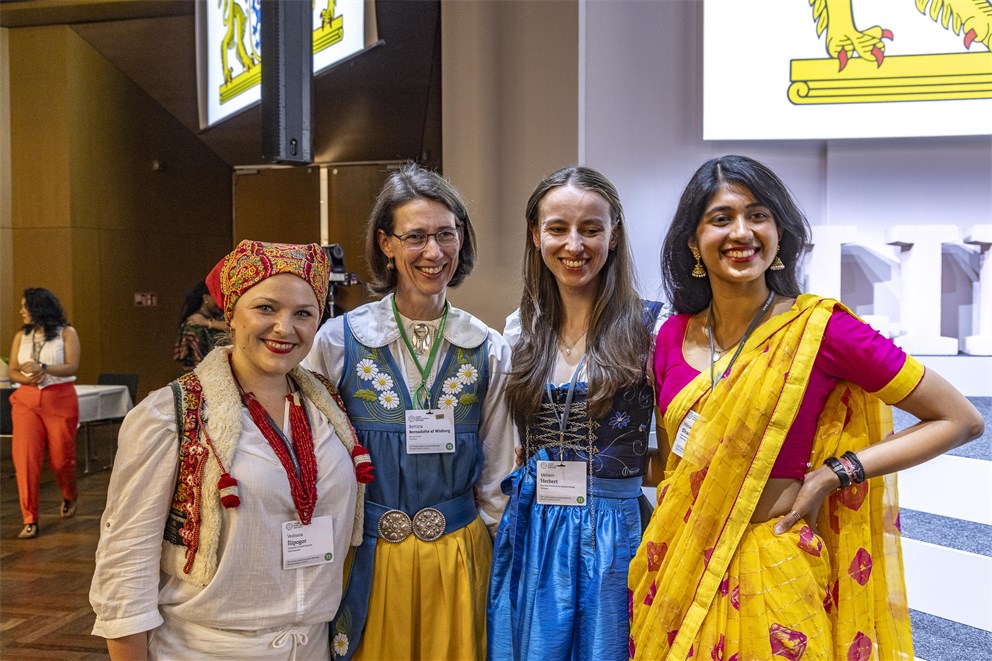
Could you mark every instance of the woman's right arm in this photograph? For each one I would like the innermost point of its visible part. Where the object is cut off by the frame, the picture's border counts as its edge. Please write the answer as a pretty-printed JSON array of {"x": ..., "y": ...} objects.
[
  {"x": 16, "y": 375},
  {"x": 124, "y": 592}
]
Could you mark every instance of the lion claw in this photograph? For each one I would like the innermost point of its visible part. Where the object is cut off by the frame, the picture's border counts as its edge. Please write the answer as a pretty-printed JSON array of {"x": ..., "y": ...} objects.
[
  {"x": 969, "y": 37},
  {"x": 842, "y": 59},
  {"x": 879, "y": 55},
  {"x": 887, "y": 34}
]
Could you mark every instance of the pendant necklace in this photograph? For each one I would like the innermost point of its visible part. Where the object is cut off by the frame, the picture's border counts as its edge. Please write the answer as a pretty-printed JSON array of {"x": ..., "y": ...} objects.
[
  {"x": 566, "y": 347},
  {"x": 423, "y": 337},
  {"x": 714, "y": 356}
]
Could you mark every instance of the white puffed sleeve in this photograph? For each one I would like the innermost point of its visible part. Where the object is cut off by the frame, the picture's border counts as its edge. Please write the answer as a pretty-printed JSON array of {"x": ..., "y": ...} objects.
[
  {"x": 124, "y": 592},
  {"x": 326, "y": 356},
  {"x": 498, "y": 434}
]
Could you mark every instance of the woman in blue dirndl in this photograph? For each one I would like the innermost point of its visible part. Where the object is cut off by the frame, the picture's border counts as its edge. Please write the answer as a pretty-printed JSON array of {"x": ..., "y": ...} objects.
[{"x": 580, "y": 396}]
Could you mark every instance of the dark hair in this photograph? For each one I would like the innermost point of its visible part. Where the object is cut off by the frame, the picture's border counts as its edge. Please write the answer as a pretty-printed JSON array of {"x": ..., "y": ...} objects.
[
  {"x": 617, "y": 342},
  {"x": 412, "y": 182},
  {"x": 689, "y": 295},
  {"x": 45, "y": 310},
  {"x": 194, "y": 299}
]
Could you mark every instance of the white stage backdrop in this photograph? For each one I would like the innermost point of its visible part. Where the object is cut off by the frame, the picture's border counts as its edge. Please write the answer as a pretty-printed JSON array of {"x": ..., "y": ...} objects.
[{"x": 776, "y": 69}]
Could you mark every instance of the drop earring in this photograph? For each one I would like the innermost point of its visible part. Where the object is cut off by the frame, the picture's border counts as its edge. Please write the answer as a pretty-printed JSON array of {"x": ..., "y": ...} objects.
[
  {"x": 777, "y": 263},
  {"x": 698, "y": 271},
  {"x": 390, "y": 264}
]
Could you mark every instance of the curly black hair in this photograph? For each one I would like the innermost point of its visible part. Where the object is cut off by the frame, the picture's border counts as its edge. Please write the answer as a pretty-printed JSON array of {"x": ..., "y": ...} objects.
[{"x": 45, "y": 310}]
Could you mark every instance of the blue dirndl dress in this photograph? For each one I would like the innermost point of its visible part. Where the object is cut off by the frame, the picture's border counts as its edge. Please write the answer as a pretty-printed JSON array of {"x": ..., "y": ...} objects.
[{"x": 558, "y": 588}]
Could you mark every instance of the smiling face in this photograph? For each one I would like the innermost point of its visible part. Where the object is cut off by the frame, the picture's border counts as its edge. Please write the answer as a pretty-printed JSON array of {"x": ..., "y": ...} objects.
[
  {"x": 273, "y": 326},
  {"x": 737, "y": 236},
  {"x": 422, "y": 274},
  {"x": 574, "y": 233}
]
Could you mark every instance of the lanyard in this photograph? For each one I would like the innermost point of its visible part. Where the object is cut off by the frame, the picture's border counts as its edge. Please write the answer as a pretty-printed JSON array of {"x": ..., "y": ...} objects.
[
  {"x": 740, "y": 345},
  {"x": 421, "y": 395},
  {"x": 563, "y": 418}
]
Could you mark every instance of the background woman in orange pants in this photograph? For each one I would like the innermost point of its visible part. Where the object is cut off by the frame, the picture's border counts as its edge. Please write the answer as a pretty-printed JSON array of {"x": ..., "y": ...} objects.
[{"x": 44, "y": 409}]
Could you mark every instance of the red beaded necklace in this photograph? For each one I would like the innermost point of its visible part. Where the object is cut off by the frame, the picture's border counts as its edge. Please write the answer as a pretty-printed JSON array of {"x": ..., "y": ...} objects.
[{"x": 301, "y": 470}]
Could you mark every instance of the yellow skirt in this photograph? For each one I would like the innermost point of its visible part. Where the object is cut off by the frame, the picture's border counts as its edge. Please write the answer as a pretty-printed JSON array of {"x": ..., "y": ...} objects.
[
  {"x": 429, "y": 598},
  {"x": 770, "y": 604}
]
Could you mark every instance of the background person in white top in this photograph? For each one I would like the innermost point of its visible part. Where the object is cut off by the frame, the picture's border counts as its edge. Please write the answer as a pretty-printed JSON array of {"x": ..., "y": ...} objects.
[
  {"x": 225, "y": 535},
  {"x": 44, "y": 359}
]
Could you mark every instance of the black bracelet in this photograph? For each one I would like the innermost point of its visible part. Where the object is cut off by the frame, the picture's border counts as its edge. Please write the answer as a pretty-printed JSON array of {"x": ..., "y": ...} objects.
[
  {"x": 859, "y": 470},
  {"x": 836, "y": 467}
]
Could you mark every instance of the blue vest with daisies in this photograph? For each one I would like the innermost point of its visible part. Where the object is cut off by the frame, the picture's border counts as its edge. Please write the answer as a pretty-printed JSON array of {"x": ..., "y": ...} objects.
[{"x": 376, "y": 396}]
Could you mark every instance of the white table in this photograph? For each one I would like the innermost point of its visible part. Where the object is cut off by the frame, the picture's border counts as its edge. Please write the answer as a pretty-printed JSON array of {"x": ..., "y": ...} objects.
[
  {"x": 102, "y": 402},
  {"x": 98, "y": 403}
]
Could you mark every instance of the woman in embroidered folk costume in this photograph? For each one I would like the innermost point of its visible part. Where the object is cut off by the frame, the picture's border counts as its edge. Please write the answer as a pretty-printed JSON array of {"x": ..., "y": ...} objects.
[
  {"x": 422, "y": 381},
  {"x": 581, "y": 396},
  {"x": 44, "y": 359},
  {"x": 233, "y": 498},
  {"x": 776, "y": 532}
]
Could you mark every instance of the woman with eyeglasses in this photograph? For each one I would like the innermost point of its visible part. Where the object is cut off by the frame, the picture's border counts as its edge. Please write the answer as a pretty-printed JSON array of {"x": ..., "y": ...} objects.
[{"x": 422, "y": 382}]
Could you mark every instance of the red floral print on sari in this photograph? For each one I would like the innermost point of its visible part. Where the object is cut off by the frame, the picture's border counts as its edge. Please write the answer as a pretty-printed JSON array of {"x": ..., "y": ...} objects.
[
  {"x": 725, "y": 585},
  {"x": 649, "y": 597},
  {"x": 661, "y": 494},
  {"x": 786, "y": 642},
  {"x": 656, "y": 555},
  {"x": 853, "y": 496},
  {"x": 735, "y": 597},
  {"x": 671, "y": 636},
  {"x": 860, "y": 649},
  {"x": 717, "y": 652},
  {"x": 696, "y": 480},
  {"x": 630, "y": 606},
  {"x": 830, "y": 600},
  {"x": 631, "y": 648},
  {"x": 707, "y": 554},
  {"x": 809, "y": 542},
  {"x": 860, "y": 569}
]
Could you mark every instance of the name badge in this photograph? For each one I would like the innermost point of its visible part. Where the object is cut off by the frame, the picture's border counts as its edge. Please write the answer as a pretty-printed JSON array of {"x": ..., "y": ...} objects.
[
  {"x": 305, "y": 546},
  {"x": 561, "y": 483},
  {"x": 683, "y": 433},
  {"x": 430, "y": 432}
]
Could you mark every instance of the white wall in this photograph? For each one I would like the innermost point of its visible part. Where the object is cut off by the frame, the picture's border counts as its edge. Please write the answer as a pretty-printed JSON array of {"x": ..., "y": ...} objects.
[
  {"x": 642, "y": 127},
  {"x": 641, "y": 72}
]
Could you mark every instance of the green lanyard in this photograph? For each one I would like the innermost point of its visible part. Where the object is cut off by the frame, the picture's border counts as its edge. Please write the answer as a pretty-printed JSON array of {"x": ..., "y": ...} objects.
[{"x": 422, "y": 395}]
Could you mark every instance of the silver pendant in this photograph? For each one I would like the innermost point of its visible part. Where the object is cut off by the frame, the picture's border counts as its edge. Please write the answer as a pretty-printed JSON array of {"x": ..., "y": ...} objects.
[{"x": 423, "y": 336}]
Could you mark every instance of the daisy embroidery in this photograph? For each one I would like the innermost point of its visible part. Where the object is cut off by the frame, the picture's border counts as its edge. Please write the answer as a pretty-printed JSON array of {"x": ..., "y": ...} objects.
[
  {"x": 620, "y": 420},
  {"x": 367, "y": 370},
  {"x": 467, "y": 373},
  {"x": 382, "y": 381},
  {"x": 340, "y": 644},
  {"x": 452, "y": 386},
  {"x": 389, "y": 400},
  {"x": 448, "y": 401}
]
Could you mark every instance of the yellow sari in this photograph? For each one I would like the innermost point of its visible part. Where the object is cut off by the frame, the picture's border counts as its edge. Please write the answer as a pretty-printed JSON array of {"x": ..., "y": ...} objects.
[{"x": 708, "y": 584}]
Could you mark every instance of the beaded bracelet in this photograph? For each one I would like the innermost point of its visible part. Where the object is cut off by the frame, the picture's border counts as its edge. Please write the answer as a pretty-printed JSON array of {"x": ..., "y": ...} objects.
[{"x": 837, "y": 467}]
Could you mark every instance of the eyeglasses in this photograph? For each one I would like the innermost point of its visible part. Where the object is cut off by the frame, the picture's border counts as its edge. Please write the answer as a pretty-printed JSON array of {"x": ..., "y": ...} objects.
[{"x": 418, "y": 240}]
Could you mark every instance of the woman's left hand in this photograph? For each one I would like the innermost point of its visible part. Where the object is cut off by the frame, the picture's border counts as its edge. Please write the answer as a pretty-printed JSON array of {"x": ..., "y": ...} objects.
[{"x": 817, "y": 486}]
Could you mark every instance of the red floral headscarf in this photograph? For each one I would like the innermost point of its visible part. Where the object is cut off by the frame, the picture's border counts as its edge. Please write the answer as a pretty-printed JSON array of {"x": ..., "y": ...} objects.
[{"x": 254, "y": 261}]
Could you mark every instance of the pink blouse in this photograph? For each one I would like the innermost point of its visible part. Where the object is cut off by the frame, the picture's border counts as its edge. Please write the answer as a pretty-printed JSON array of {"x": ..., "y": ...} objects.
[{"x": 851, "y": 350}]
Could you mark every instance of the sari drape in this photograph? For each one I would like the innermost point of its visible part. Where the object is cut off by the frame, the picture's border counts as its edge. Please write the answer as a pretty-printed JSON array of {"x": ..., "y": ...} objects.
[{"x": 693, "y": 567}]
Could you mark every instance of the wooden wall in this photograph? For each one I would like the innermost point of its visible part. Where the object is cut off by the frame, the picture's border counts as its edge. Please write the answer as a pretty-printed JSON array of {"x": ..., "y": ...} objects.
[{"x": 93, "y": 218}]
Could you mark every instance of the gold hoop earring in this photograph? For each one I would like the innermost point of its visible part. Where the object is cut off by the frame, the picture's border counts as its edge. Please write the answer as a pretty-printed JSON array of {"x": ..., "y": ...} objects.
[
  {"x": 698, "y": 271},
  {"x": 777, "y": 263}
]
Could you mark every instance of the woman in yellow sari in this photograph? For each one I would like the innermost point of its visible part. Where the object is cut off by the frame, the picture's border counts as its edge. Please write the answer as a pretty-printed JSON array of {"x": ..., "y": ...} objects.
[{"x": 771, "y": 404}]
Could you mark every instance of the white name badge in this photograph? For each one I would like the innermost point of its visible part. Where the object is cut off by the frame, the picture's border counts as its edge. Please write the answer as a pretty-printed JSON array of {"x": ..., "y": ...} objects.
[
  {"x": 683, "y": 433},
  {"x": 304, "y": 546},
  {"x": 430, "y": 432},
  {"x": 562, "y": 483}
]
